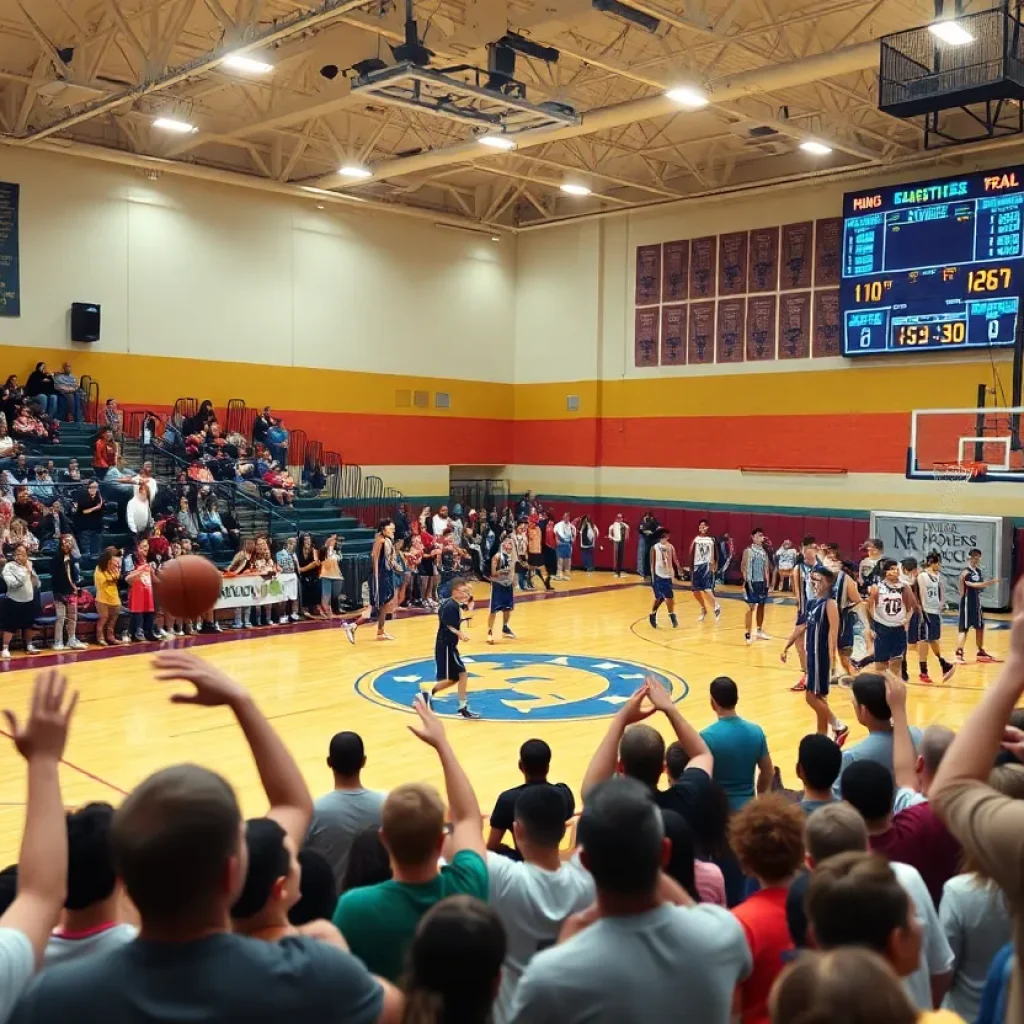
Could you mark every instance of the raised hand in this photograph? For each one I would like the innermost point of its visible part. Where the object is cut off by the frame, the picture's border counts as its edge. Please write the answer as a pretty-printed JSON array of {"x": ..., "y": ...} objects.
[
  {"x": 214, "y": 688},
  {"x": 659, "y": 697},
  {"x": 895, "y": 692},
  {"x": 633, "y": 710},
  {"x": 431, "y": 728},
  {"x": 46, "y": 730}
]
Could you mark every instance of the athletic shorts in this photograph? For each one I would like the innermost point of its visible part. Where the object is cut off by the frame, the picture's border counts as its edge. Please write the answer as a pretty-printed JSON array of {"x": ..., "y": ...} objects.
[
  {"x": 890, "y": 642},
  {"x": 819, "y": 678},
  {"x": 448, "y": 663},
  {"x": 535, "y": 559},
  {"x": 563, "y": 550},
  {"x": 428, "y": 567},
  {"x": 662, "y": 587},
  {"x": 847, "y": 619},
  {"x": 931, "y": 627},
  {"x": 971, "y": 616},
  {"x": 502, "y": 598},
  {"x": 914, "y": 629},
  {"x": 703, "y": 577},
  {"x": 755, "y": 593}
]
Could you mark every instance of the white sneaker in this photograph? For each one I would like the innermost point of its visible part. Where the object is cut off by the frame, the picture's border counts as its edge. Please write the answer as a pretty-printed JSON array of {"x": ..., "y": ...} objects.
[
  {"x": 32, "y": 649},
  {"x": 58, "y": 647},
  {"x": 76, "y": 645},
  {"x": 749, "y": 640},
  {"x": 718, "y": 612},
  {"x": 702, "y": 616},
  {"x": 294, "y": 617},
  {"x": 5, "y": 654},
  {"x": 762, "y": 635}
]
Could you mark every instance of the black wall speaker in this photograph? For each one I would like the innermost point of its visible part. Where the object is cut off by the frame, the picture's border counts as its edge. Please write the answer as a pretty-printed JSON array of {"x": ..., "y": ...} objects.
[{"x": 85, "y": 321}]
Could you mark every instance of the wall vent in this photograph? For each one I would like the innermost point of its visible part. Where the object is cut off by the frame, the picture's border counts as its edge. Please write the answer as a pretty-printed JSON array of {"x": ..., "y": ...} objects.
[
  {"x": 572, "y": 403},
  {"x": 442, "y": 400},
  {"x": 421, "y": 399}
]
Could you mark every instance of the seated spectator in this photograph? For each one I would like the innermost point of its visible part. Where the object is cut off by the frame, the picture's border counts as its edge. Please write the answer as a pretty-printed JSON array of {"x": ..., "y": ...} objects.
[
  {"x": 202, "y": 419},
  {"x": 71, "y": 475},
  {"x": 534, "y": 763},
  {"x": 139, "y": 514},
  {"x": 92, "y": 921},
  {"x": 455, "y": 963},
  {"x": 261, "y": 426},
  {"x": 20, "y": 471},
  {"x": 851, "y": 985},
  {"x": 533, "y": 898},
  {"x": 379, "y": 921},
  {"x": 11, "y": 397},
  {"x": 854, "y": 898},
  {"x": 27, "y": 508},
  {"x": 277, "y": 442},
  {"x": 26, "y": 426},
  {"x": 874, "y": 713},
  {"x": 177, "y": 843},
  {"x": 104, "y": 453},
  {"x": 188, "y": 522},
  {"x": 348, "y": 809},
  {"x": 817, "y": 767},
  {"x": 69, "y": 395},
  {"x": 738, "y": 747},
  {"x": 88, "y": 512},
  {"x": 318, "y": 890},
  {"x": 9, "y": 448},
  {"x": 40, "y": 385},
  {"x": 368, "y": 861},
  {"x": 212, "y": 526},
  {"x": 42, "y": 487},
  {"x": 767, "y": 835},
  {"x": 604, "y": 970},
  {"x": 18, "y": 534}
]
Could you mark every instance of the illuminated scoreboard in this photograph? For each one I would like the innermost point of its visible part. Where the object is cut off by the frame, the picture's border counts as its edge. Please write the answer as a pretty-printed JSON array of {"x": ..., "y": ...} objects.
[{"x": 933, "y": 266}]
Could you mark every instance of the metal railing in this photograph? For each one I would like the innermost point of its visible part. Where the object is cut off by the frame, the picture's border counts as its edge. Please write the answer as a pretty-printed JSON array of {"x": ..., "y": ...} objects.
[
  {"x": 183, "y": 409},
  {"x": 91, "y": 402},
  {"x": 234, "y": 421}
]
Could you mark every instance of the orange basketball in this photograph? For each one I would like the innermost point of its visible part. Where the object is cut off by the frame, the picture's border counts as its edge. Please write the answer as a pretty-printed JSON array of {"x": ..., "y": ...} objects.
[{"x": 187, "y": 587}]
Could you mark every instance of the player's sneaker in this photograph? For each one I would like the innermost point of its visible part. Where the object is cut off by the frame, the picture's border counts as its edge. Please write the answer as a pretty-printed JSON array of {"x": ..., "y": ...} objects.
[
  {"x": 674, "y": 621},
  {"x": 428, "y": 699},
  {"x": 76, "y": 645},
  {"x": 925, "y": 679},
  {"x": 32, "y": 649},
  {"x": 350, "y": 632},
  {"x": 984, "y": 658},
  {"x": 762, "y": 635},
  {"x": 490, "y": 637},
  {"x": 507, "y": 633},
  {"x": 800, "y": 686},
  {"x": 702, "y": 616},
  {"x": 718, "y": 612},
  {"x": 947, "y": 671},
  {"x": 748, "y": 639},
  {"x": 653, "y": 620},
  {"x": 468, "y": 712},
  {"x": 960, "y": 656},
  {"x": 385, "y": 636},
  {"x": 840, "y": 733}
]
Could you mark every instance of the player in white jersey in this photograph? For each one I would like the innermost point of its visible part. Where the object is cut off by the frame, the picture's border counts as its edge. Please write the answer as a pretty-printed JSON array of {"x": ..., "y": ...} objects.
[
  {"x": 930, "y": 590},
  {"x": 664, "y": 568},
  {"x": 704, "y": 559},
  {"x": 890, "y": 605},
  {"x": 868, "y": 569}
]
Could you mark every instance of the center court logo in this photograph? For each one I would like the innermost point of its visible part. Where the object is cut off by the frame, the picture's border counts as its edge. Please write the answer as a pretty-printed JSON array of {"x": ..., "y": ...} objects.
[{"x": 523, "y": 687}]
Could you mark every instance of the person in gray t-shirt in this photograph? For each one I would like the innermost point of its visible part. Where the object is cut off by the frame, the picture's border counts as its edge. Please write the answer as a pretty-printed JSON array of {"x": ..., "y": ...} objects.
[
  {"x": 637, "y": 959},
  {"x": 348, "y": 810}
]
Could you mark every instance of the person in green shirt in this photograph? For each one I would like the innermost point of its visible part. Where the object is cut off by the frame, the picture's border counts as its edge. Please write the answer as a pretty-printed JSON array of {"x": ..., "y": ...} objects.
[{"x": 379, "y": 921}]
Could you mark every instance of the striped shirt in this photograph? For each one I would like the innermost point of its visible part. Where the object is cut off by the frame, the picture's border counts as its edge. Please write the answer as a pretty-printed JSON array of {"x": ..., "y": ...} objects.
[{"x": 757, "y": 564}]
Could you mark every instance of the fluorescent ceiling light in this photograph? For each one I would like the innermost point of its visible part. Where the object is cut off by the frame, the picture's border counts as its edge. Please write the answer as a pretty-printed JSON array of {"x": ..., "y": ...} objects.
[
  {"x": 950, "y": 31},
  {"x": 817, "y": 148},
  {"x": 355, "y": 171},
  {"x": 239, "y": 62},
  {"x": 570, "y": 188},
  {"x": 169, "y": 124},
  {"x": 496, "y": 141},
  {"x": 687, "y": 96}
]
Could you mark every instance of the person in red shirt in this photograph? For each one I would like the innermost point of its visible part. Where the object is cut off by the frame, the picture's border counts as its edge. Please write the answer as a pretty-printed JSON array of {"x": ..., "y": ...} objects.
[
  {"x": 768, "y": 838},
  {"x": 104, "y": 453}
]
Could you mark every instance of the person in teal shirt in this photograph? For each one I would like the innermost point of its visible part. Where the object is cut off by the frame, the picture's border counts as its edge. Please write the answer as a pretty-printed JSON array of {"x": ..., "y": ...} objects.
[
  {"x": 379, "y": 921},
  {"x": 739, "y": 747}
]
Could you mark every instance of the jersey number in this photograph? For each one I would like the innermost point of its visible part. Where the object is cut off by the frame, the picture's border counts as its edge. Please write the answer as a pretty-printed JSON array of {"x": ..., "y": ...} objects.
[{"x": 892, "y": 607}]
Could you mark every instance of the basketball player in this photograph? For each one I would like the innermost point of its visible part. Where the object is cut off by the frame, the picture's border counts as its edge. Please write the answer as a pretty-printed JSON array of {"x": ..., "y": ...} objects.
[
  {"x": 618, "y": 534},
  {"x": 909, "y": 571},
  {"x": 851, "y": 606},
  {"x": 756, "y": 570},
  {"x": 663, "y": 565},
  {"x": 803, "y": 590},
  {"x": 890, "y": 605},
  {"x": 868, "y": 571},
  {"x": 821, "y": 639},
  {"x": 382, "y": 584},
  {"x": 451, "y": 670},
  {"x": 704, "y": 559},
  {"x": 972, "y": 583},
  {"x": 931, "y": 595},
  {"x": 502, "y": 570}
]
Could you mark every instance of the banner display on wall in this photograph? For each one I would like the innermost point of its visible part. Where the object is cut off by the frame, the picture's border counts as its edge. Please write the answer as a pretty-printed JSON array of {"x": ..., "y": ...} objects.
[
  {"x": 915, "y": 534},
  {"x": 252, "y": 592},
  {"x": 10, "y": 254}
]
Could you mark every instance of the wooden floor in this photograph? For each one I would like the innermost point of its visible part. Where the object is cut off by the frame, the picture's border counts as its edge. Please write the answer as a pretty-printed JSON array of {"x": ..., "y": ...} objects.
[{"x": 306, "y": 682}]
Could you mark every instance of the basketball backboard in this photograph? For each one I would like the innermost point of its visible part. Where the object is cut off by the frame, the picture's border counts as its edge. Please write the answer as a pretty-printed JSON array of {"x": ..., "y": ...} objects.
[{"x": 984, "y": 443}]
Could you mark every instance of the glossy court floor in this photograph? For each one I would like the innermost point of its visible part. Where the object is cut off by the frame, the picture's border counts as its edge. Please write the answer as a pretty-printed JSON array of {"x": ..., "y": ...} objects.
[{"x": 577, "y": 655}]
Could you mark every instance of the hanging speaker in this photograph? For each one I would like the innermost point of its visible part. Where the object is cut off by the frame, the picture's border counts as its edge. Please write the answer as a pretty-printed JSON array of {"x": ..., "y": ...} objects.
[{"x": 85, "y": 321}]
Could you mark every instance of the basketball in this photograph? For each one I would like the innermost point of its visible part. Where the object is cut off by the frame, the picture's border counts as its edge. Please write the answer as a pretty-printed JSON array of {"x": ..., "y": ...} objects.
[{"x": 187, "y": 587}]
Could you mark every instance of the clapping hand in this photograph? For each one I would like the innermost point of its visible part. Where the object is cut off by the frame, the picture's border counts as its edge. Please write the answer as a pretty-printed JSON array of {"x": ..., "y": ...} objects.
[
  {"x": 633, "y": 710},
  {"x": 659, "y": 697},
  {"x": 46, "y": 730}
]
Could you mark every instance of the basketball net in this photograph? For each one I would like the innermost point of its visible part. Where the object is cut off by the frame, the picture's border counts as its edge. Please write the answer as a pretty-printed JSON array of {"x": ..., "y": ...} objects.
[{"x": 954, "y": 478}]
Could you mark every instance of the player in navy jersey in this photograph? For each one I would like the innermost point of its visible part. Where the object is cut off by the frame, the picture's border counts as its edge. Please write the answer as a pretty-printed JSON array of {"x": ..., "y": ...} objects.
[
  {"x": 868, "y": 570},
  {"x": 663, "y": 566},
  {"x": 890, "y": 605},
  {"x": 803, "y": 591},
  {"x": 850, "y": 603},
  {"x": 381, "y": 584},
  {"x": 451, "y": 670},
  {"x": 931, "y": 595},
  {"x": 972, "y": 583},
  {"x": 502, "y": 570},
  {"x": 821, "y": 638},
  {"x": 909, "y": 570},
  {"x": 704, "y": 562},
  {"x": 756, "y": 568}
]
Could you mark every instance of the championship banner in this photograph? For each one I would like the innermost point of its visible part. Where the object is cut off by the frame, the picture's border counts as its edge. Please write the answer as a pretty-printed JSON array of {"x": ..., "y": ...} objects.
[{"x": 251, "y": 592}]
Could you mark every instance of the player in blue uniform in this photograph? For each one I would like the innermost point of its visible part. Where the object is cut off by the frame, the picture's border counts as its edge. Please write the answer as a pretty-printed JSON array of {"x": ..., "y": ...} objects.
[
  {"x": 756, "y": 568},
  {"x": 451, "y": 670},
  {"x": 704, "y": 562},
  {"x": 803, "y": 590},
  {"x": 821, "y": 639},
  {"x": 664, "y": 567},
  {"x": 931, "y": 595},
  {"x": 381, "y": 584},
  {"x": 972, "y": 583},
  {"x": 850, "y": 603},
  {"x": 502, "y": 571}
]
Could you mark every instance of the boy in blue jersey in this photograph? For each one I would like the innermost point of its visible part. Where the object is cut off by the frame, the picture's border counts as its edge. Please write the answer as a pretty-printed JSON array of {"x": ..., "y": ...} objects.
[
  {"x": 502, "y": 569},
  {"x": 821, "y": 640},
  {"x": 972, "y": 583},
  {"x": 804, "y": 592},
  {"x": 451, "y": 670},
  {"x": 756, "y": 570}
]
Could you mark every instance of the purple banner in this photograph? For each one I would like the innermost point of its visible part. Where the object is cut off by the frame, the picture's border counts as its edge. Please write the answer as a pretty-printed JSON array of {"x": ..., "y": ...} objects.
[
  {"x": 732, "y": 263},
  {"x": 763, "y": 264},
  {"x": 828, "y": 246},
  {"x": 700, "y": 345},
  {"x": 703, "y": 267},
  {"x": 645, "y": 338},
  {"x": 795, "y": 325},
  {"x": 730, "y": 333},
  {"x": 675, "y": 271},
  {"x": 673, "y": 335},
  {"x": 826, "y": 323},
  {"x": 797, "y": 256},
  {"x": 648, "y": 274},
  {"x": 760, "y": 328}
]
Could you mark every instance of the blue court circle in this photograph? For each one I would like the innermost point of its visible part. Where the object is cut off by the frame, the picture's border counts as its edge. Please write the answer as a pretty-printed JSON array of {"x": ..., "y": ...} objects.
[{"x": 521, "y": 686}]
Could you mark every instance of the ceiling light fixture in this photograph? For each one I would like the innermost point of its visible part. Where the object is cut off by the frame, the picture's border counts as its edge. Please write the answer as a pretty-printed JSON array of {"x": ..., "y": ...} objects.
[
  {"x": 689, "y": 97},
  {"x": 817, "y": 148},
  {"x": 571, "y": 188},
  {"x": 355, "y": 171},
  {"x": 170, "y": 124},
  {"x": 950, "y": 31},
  {"x": 496, "y": 141},
  {"x": 252, "y": 66}
]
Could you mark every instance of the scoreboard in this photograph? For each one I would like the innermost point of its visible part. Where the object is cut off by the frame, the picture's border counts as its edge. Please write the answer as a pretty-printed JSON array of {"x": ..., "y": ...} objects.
[{"x": 934, "y": 266}]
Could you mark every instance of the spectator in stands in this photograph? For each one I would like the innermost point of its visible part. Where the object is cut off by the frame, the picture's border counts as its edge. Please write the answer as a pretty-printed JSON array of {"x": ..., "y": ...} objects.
[
  {"x": 682, "y": 862},
  {"x": 368, "y": 861},
  {"x": 309, "y": 577},
  {"x": 66, "y": 582},
  {"x": 277, "y": 442},
  {"x": 112, "y": 417},
  {"x": 19, "y": 472},
  {"x": 455, "y": 963},
  {"x": 874, "y": 713},
  {"x": 817, "y": 767},
  {"x": 145, "y": 476},
  {"x": 534, "y": 763},
  {"x": 348, "y": 809},
  {"x": 42, "y": 487},
  {"x": 71, "y": 475},
  {"x": 440, "y": 522},
  {"x": 19, "y": 533},
  {"x": 104, "y": 453},
  {"x": 54, "y": 525},
  {"x": 188, "y": 523},
  {"x": 88, "y": 513},
  {"x": 332, "y": 584},
  {"x": 138, "y": 573},
  {"x": 738, "y": 747},
  {"x": 379, "y": 921},
  {"x": 21, "y": 608},
  {"x": 27, "y": 508},
  {"x": 857, "y": 898},
  {"x": 108, "y": 598},
  {"x": 241, "y": 564},
  {"x": 177, "y": 849},
  {"x": 69, "y": 395},
  {"x": 29, "y": 427},
  {"x": 11, "y": 397},
  {"x": 855, "y": 986},
  {"x": 9, "y": 448},
  {"x": 603, "y": 971},
  {"x": 533, "y": 898},
  {"x": 767, "y": 835},
  {"x": 212, "y": 529},
  {"x": 318, "y": 890},
  {"x": 92, "y": 922},
  {"x": 139, "y": 514},
  {"x": 261, "y": 426},
  {"x": 40, "y": 386},
  {"x": 288, "y": 577}
]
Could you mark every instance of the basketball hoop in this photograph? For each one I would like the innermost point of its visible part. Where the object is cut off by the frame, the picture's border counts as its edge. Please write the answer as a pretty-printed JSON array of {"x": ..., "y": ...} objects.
[{"x": 954, "y": 477}]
